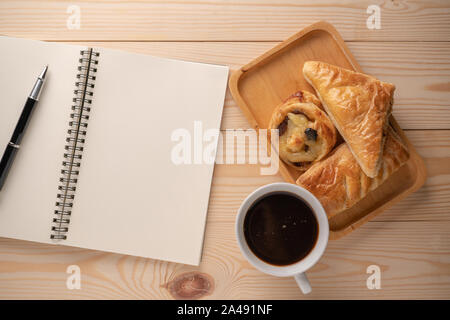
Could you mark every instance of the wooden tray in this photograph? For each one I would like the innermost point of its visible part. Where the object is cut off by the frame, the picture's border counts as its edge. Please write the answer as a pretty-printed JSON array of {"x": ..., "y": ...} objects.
[{"x": 261, "y": 85}]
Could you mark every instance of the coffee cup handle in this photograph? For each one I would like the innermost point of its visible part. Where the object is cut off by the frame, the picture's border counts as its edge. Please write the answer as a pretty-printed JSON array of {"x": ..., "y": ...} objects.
[{"x": 303, "y": 282}]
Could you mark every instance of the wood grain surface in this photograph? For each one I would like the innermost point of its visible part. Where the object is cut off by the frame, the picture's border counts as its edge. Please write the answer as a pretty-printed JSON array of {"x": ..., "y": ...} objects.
[
  {"x": 410, "y": 242},
  {"x": 245, "y": 20}
]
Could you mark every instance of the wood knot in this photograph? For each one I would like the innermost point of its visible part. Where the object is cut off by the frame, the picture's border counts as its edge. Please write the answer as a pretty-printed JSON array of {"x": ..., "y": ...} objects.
[{"x": 190, "y": 286}]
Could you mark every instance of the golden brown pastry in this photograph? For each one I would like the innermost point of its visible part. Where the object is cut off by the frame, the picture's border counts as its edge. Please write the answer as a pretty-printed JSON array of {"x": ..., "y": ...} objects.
[
  {"x": 359, "y": 106},
  {"x": 306, "y": 134},
  {"x": 338, "y": 181},
  {"x": 305, "y": 96}
]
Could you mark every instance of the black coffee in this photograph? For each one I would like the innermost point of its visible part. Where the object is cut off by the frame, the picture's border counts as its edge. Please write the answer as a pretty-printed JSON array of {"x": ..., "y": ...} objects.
[{"x": 280, "y": 229}]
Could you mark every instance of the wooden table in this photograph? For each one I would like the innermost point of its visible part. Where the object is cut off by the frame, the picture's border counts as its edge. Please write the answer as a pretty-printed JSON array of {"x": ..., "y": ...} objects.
[{"x": 410, "y": 242}]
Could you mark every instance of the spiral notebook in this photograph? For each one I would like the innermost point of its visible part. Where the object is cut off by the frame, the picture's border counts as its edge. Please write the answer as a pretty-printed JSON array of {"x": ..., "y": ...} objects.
[{"x": 95, "y": 169}]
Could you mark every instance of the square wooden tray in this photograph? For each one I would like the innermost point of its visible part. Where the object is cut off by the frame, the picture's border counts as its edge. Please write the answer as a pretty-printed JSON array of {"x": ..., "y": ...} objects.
[{"x": 261, "y": 85}]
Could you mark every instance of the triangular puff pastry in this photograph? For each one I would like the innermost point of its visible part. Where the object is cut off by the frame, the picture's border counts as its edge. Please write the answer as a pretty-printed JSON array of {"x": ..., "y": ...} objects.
[
  {"x": 338, "y": 181},
  {"x": 359, "y": 106}
]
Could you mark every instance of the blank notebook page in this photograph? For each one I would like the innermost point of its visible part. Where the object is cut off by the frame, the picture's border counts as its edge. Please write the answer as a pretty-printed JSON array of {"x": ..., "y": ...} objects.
[
  {"x": 27, "y": 200},
  {"x": 131, "y": 198}
]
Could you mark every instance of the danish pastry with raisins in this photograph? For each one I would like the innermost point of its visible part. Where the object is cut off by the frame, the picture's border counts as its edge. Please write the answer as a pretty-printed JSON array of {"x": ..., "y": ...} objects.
[{"x": 306, "y": 134}]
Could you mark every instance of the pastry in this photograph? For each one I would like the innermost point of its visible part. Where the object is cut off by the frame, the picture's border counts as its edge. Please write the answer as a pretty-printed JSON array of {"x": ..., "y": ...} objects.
[
  {"x": 306, "y": 96},
  {"x": 338, "y": 181},
  {"x": 359, "y": 106},
  {"x": 306, "y": 134}
]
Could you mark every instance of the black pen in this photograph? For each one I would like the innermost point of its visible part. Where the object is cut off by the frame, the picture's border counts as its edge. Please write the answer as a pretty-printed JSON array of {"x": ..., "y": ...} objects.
[{"x": 14, "y": 144}]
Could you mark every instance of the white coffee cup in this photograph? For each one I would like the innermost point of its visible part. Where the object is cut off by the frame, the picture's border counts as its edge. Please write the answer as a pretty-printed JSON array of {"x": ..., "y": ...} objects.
[{"x": 297, "y": 269}]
